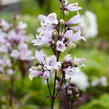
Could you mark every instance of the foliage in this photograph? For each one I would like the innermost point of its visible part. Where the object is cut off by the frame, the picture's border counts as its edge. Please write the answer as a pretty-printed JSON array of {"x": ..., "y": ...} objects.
[{"x": 100, "y": 103}]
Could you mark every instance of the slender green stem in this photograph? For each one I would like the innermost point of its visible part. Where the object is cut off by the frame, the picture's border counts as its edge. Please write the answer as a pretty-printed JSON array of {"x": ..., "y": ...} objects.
[
  {"x": 49, "y": 89},
  {"x": 11, "y": 91}
]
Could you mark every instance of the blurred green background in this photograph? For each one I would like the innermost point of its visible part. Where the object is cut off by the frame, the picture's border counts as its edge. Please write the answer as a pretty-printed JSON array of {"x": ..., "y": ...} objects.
[{"x": 95, "y": 50}]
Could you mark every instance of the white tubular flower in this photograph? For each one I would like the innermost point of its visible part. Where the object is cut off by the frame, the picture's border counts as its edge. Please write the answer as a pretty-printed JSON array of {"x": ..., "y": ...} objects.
[
  {"x": 95, "y": 82},
  {"x": 61, "y": 46},
  {"x": 81, "y": 80},
  {"x": 77, "y": 36},
  {"x": 89, "y": 24},
  {"x": 42, "y": 38},
  {"x": 104, "y": 81},
  {"x": 15, "y": 54},
  {"x": 68, "y": 34},
  {"x": 78, "y": 62},
  {"x": 100, "y": 81},
  {"x": 40, "y": 56},
  {"x": 42, "y": 17},
  {"x": 10, "y": 71},
  {"x": 38, "y": 41},
  {"x": 70, "y": 72},
  {"x": 34, "y": 72},
  {"x": 52, "y": 64},
  {"x": 5, "y": 26},
  {"x": 21, "y": 25},
  {"x": 24, "y": 52},
  {"x": 73, "y": 7},
  {"x": 74, "y": 20},
  {"x": 51, "y": 19},
  {"x": 68, "y": 58},
  {"x": 74, "y": 36}
]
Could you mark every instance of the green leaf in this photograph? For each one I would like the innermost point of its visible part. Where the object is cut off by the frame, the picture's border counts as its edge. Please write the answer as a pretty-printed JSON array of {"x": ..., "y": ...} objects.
[
  {"x": 28, "y": 96},
  {"x": 30, "y": 107}
]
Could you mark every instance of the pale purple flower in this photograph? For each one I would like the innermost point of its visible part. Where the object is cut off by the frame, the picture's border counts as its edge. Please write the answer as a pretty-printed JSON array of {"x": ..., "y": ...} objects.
[
  {"x": 51, "y": 19},
  {"x": 12, "y": 35},
  {"x": 69, "y": 92},
  {"x": 74, "y": 20},
  {"x": 4, "y": 62},
  {"x": 68, "y": 34},
  {"x": 34, "y": 73},
  {"x": 70, "y": 72},
  {"x": 77, "y": 36},
  {"x": 80, "y": 80},
  {"x": 104, "y": 81},
  {"x": 42, "y": 38},
  {"x": 22, "y": 46},
  {"x": 68, "y": 58},
  {"x": 75, "y": 28},
  {"x": 7, "y": 61},
  {"x": 1, "y": 69},
  {"x": 78, "y": 62},
  {"x": 40, "y": 56},
  {"x": 44, "y": 30},
  {"x": 42, "y": 17},
  {"x": 15, "y": 54},
  {"x": 61, "y": 46},
  {"x": 74, "y": 36},
  {"x": 52, "y": 64},
  {"x": 17, "y": 36},
  {"x": 5, "y": 26},
  {"x": 21, "y": 25},
  {"x": 38, "y": 42},
  {"x": 4, "y": 45},
  {"x": 46, "y": 75},
  {"x": 24, "y": 52},
  {"x": 3, "y": 48},
  {"x": 100, "y": 81},
  {"x": 26, "y": 55},
  {"x": 73, "y": 7},
  {"x": 10, "y": 71}
]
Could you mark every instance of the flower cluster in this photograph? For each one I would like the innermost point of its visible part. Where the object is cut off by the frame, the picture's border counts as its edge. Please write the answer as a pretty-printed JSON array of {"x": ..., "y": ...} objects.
[
  {"x": 100, "y": 81},
  {"x": 70, "y": 66},
  {"x": 89, "y": 24},
  {"x": 45, "y": 65},
  {"x": 13, "y": 45},
  {"x": 58, "y": 34},
  {"x": 49, "y": 31}
]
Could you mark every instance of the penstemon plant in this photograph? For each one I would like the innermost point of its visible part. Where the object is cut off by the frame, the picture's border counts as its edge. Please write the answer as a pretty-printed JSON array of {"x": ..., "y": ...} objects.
[
  {"x": 59, "y": 35},
  {"x": 14, "y": 53}
]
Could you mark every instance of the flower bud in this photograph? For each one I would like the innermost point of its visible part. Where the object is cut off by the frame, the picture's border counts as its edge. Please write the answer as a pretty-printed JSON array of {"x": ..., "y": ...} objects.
[
  {"x": 54, "y": 33},
  {"x": 62, "y": 21},
  {"x": 66, "y": 12},
  {"x": 69, "y": 92},
  {"x": 72, "y": 45},
  {"x": 53, "y": 42},
  {"x": 77, "y": 95}
]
